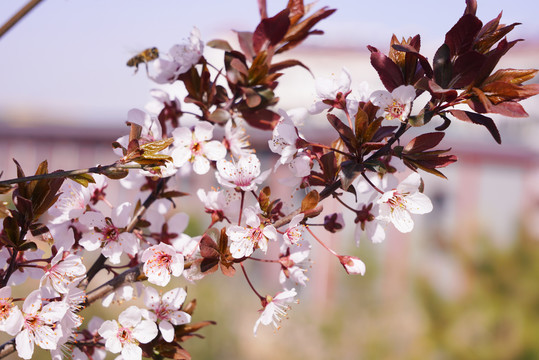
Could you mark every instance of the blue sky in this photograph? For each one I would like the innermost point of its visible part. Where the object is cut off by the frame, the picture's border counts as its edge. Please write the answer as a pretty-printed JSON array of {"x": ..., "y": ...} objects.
[{"x": 69, "y": 55}]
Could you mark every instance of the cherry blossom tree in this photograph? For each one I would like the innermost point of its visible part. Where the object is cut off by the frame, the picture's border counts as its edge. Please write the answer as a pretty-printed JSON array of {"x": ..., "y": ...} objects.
[{"x": 144, "y": 241}]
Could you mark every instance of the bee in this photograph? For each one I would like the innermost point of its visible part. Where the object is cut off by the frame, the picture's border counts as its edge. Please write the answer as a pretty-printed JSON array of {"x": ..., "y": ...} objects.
[{"x": 143, "y": 57}]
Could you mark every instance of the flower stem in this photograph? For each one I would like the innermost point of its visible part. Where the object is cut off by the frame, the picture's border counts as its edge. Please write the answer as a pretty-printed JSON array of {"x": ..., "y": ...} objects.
[
  {"x": 249, "y": 282},
  {"x": 321, "y": 243}
]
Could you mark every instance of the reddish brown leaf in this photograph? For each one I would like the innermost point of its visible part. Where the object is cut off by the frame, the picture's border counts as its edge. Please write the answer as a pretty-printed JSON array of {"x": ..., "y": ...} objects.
[
  {"x": 271, "y": 31},
  {"x": 461, "y": 36},
  {"x": 390, "y": 74},
  {"x": 345, "y": 133},
  {"x": 287, "y": 64},
  {"x": 297, "y": 10},
  {"x": 424, "y": 142},
  {"x": 479, "y": 119},
  {"x": 300, "y": 31},
  {"x": 310, "y": 201},
  {"x": 262, "y": 119}
]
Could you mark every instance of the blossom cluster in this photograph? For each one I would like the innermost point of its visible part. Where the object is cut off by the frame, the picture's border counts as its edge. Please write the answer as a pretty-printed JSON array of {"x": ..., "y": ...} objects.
[{"x": 145, "y": 241}]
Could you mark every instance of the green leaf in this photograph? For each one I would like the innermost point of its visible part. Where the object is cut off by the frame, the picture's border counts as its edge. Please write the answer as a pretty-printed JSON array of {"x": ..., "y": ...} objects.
[
  {"x": 219, "y": 44},
  {"x": 83, "y": 179},
  {"x": 156, "y": 146},
  {"x": 30, "y": 245}
]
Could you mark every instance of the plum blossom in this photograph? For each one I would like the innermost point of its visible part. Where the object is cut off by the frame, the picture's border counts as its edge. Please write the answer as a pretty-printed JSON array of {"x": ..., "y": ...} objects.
[
  {"x": 123, "y": 293},
  {"x": 64, "y": 271},
  {"x": 353, "y": 265},
  {"x": 396, "y": 205},
  {"x": 294, "y": 263},
  {"x": 109, "y": 233},
  {"x": 275, "y": 308},
  {"x": 394, "y": 105},
  {"x": 161, "y": 261},
  {"x": 328, "y": 89},
  {"x": 125, "y": 334},
  {"x": 11, "y": 318},
  {"x": 367, "y": 222},
  {"x": 220, "y": 204},
  {"x": 195, "y": 147},
  {"x": 151, "y": 129},
  {"x": 243, "y": 174},
  {"x": 180, "y": 59},
  {"x": 71, "y": 204},
  {"x": 40, "y": 325},
  {"x": 293, "y": 233},
  {"x": 244, "y": 240},
  {"x": 284, "y": 140},
  {"x": 165, "y": 310},
  {"x": 300, "y": 167},
  {"x": 187, "y": 54},
  {"x": 237, "y": 140}
]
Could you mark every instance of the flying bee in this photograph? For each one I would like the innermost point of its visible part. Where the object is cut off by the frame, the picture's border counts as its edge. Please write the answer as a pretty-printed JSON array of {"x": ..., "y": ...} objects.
[{"x": 143, "y": 57}]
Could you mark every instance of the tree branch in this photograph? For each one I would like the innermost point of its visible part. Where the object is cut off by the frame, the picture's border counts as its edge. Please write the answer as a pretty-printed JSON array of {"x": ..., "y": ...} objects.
[{"x": 18, "y": 16}]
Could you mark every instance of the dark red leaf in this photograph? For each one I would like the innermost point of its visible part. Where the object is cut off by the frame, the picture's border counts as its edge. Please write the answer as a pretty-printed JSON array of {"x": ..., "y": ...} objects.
[
  {"x": 346, "y": 134},
  {"x": 271, "y": 31},
  {"x": 262, "y": 119},
  {"x": 383, "y": 132},
  {"x": 492, "y": 59},
  {"x": 462, "y": 35},
  {"x": 466, "y": 69},
  {"x": 286, "y": 64},
  {"x": 410, "y": 49},
  {"x": 390, "y": 74},
  {"x": 443, "y": 70},
  {"x": 479, "y": 119},
  {"x": 424, "y": 142}
]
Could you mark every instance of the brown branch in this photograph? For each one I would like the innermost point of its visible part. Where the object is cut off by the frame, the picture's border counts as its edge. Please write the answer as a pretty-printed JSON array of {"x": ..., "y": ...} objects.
[
  {"x": 105, "y": 169},
  {"x": 18, "y": 16}
]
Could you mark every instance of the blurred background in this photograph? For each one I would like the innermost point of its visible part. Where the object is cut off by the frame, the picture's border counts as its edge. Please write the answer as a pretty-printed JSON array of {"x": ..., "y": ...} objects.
[{"x": 463, "y": 285}]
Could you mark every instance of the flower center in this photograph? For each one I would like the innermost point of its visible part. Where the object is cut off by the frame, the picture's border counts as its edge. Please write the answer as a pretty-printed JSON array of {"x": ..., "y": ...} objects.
[
  {"x": 397, "y": 200},
  {"x": 111, "y": 233},
  {"x": 32, "y": 322},
  {"x": 395, "y": 110},
  {"x": 5, "y": 308},
  {"x": 162, "y": 312},
  {"x": 124, "y": 335},
  {"x": 196, "y": 148}
]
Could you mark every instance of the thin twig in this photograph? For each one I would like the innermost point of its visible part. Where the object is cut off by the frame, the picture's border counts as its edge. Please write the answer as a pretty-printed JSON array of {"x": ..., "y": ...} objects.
[
  {"x": 60, "y": 174},
  {"x": 18, "y": 16}
]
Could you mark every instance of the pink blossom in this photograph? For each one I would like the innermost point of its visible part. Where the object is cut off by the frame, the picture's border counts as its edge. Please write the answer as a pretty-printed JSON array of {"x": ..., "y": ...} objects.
[
  {"x": 166, "y": 311},
  {"x": 109, "y": 233},
  {"x": 352, "y": 264},
  {"x": 125, "y": 334},
  {"x": 71, "y": 204},
  {"x": 40, "y": 325},
  {"x": 237, "y": 140},
  {"x": 275, "y": 308},
  {"x": 396, "y": 205},
  {"x": 11, "y": 319},
  {"x": 394, "y": 105},
  {"x": 195, "y": 147},
  {"x": 244, "y": 240},
  {"x": 160, "y": 261},
  {"x": 293, "y": 233},
  {"x": 64, "y": 270},
  {"x": 243, "y": 174}
]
